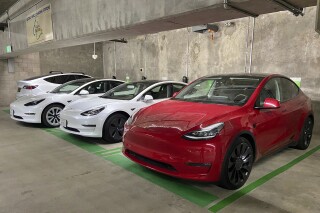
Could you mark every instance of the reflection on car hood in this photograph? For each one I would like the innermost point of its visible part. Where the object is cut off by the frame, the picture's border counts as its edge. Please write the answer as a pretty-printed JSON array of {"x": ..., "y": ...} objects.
[
  {"x": 90, "y": 103},
  {"x": 180, "y": 115},
  {"x": 29, "y": 98}
]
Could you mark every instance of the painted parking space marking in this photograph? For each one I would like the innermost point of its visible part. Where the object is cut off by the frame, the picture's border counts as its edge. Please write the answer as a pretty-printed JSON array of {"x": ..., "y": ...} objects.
[
  {"x": 176, "y": 186},
  {"x": 255, "y": 184},
  {"x": 183, "y": 189}
]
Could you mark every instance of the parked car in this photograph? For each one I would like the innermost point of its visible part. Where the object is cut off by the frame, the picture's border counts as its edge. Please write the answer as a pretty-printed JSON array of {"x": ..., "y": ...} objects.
[
  {"x": 217, "y": 126},
  {"x": 105, "y": 116},
  {"x": 41, "y": 84},
  {"x": 46, "y": 108}
]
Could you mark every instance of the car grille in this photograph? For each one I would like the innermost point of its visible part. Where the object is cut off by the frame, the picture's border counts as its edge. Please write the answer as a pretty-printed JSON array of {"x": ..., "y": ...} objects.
[
  {"x": 71, "y": 129},
  {"x": 150, "y": 161}
]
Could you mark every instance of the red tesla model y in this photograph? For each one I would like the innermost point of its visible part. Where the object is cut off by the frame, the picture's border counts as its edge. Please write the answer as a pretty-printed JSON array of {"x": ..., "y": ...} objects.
[{"x": 218, "y": 126}]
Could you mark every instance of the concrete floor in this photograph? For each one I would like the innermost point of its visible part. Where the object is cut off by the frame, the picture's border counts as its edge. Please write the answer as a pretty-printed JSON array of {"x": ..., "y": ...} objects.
[{"x": 40, "y": 172}]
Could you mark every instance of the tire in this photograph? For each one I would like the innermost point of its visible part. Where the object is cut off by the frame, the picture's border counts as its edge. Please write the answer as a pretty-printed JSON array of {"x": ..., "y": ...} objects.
[
  {"x": 51, "y": 115},
  {"x": 237, "y": 164},
  {"x": 113, "y": 128},
  {"x": 305, "y": 135}
]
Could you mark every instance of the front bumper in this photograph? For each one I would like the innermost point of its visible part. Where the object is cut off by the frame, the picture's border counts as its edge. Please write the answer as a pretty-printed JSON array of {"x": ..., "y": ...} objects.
[
  {"x": 22, "y": 113},
  {"x": 172, "y": 155},
  {"x": 72, "y": 122}
]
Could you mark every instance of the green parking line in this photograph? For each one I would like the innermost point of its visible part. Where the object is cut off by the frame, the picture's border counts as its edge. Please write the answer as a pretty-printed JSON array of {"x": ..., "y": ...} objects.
[
  {"x": 193, "y": 194},
  {"x": 90, "y": 147},
  {"x": 184, "y": 190},
  {"x": 6, "y": 111},
  {"x": 110, "y": 153},
  {"x": 245, "y": 190}
]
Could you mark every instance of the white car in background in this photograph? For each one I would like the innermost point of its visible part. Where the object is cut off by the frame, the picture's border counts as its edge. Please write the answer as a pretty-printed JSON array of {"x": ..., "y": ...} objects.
[
  {"x": 41, "y": 84},
  {"x": 105, "y": 116},
  {"x": 46, "y": 108}
]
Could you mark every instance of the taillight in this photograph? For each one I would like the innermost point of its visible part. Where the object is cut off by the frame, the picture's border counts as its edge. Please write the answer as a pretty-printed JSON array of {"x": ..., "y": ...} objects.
[{"x": 30, "y": 87}]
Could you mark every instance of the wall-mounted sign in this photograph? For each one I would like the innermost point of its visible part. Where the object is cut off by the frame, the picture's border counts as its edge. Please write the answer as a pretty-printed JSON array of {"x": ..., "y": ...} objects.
[
  {"x": 39, "y": 26},
  {"x": 8, "y": 49}
]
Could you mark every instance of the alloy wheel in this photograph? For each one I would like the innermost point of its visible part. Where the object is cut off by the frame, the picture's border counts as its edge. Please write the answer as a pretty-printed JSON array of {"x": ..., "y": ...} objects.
[
  {"x": 53, "y": 116},
  {"x": 240, "y": 164},
  {"x": 308, "y": 132},
  {"x": 116, "y": 128}
]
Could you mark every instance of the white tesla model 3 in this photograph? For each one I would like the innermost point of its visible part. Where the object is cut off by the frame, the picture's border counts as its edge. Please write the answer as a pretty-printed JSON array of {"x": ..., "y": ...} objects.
[
  {"x": 105, "y": 116},
  {"x": 46, "y": 108}
]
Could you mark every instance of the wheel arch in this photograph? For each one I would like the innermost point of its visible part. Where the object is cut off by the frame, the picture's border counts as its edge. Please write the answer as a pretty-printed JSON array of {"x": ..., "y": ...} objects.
[
  {"x": 250, "y": 137},
  {"x": 44, "y": 108}
]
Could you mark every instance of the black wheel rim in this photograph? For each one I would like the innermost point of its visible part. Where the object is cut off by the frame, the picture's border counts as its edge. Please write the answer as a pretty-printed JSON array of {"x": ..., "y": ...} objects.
[
  {"x": 116, "y": 128},
  {"x": 308, "y": 132},
  {"x": 240, "y": 164}
]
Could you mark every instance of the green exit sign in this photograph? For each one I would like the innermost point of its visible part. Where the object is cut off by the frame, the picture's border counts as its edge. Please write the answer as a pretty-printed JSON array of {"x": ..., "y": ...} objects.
[{"x": 9, "y": 49}]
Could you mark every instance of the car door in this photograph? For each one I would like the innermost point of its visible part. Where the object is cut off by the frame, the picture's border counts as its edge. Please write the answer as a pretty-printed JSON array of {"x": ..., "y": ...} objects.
[
  {"x": 270, "y": 124},
  {"x": 293, "y": 103}
]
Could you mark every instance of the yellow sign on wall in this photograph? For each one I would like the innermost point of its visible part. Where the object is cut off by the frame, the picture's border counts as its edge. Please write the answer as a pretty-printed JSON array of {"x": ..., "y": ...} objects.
[{"x": 39, "y": 26}]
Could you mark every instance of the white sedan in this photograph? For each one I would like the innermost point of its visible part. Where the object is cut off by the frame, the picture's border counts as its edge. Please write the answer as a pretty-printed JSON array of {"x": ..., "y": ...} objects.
[
  {"x": 46, "y": 108},
  {"x": 105, "y": 116},
  {"x": 42, "y": 84}
]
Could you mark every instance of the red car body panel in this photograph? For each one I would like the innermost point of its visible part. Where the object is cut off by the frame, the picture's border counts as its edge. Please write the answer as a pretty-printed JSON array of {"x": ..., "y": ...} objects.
[{"x": 155, "y": 138}]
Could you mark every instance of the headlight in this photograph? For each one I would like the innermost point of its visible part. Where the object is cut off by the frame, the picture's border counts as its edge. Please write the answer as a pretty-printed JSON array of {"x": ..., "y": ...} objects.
[
  {"x": 33, "y": 103},
  {"x": 92, "y": 112},
  {"x": 205, "y": 133},
  {"x": 131, "y": 118}
]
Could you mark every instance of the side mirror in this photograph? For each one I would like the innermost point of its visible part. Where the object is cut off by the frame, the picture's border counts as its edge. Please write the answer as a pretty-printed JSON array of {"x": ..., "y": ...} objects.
[
  {"x": 147, "y": 98},
  {"x": 84, "y": 92},
  {"x": 271, "y": 103}
]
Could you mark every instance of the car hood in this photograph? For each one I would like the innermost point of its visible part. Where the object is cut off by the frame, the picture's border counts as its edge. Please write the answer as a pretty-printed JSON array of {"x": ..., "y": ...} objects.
[
  {"x": 90, "y": 103},
  {"x": 182, "y": 116}
]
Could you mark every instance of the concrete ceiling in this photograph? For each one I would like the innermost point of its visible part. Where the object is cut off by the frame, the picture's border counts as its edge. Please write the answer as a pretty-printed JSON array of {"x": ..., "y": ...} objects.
[
  {"x": 6, "y": 4},
  {"x": 215, "y": 13}
]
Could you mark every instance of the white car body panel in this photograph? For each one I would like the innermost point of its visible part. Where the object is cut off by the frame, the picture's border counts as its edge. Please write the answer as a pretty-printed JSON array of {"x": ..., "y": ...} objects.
[
  {"x": 92, "y": 126},
  {"x": 32, "y": 114}
]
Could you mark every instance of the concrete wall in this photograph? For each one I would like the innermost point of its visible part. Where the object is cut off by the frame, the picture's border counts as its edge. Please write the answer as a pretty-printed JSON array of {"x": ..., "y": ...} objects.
[
  {"x": 165, "y": 54},
  {"x": 24, "y": 67},
  {"x": 283, "y": 44},
  {"x": 73, "y": 59}
]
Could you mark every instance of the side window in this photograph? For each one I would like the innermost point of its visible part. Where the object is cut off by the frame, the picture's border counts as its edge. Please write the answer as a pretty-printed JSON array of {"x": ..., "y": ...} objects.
[
  {"x": 159, "y": 92},
  {"x": 289, "y": 89},
  {"x": 176, "y": 88},
  {"x": 113, "y": 84},
  {"x": 270, "y": 90},
  {"x": 95, "y": 88}
]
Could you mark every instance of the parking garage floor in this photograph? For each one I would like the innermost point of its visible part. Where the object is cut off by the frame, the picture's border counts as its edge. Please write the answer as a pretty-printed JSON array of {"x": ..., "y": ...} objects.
[{"x": 46, "y": 170}]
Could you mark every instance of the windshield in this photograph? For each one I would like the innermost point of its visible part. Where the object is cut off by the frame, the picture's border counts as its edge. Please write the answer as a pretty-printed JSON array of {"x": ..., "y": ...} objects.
[
  {"x": 127, "y": 91},
  {"x": 226, "y": 90},
  {"x": 70, "y": 86}
]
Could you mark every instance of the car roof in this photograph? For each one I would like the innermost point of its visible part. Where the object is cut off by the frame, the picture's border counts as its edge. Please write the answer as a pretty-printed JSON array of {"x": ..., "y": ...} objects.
[
  {"x": 257, "y": 75},
  {"x": 53, "y": 75}
]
